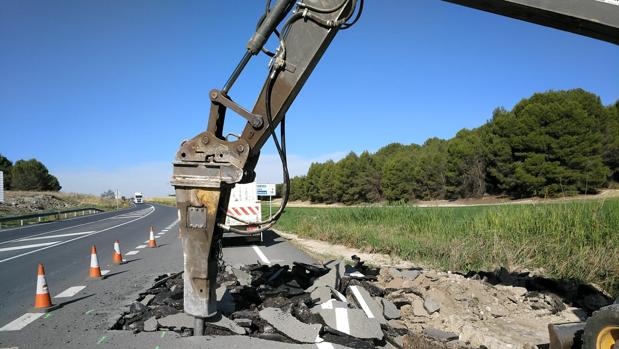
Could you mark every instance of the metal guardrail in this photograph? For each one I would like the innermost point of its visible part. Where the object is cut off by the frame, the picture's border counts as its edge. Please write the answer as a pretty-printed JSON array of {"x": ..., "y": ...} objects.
[{"x": 58, "y": 214}]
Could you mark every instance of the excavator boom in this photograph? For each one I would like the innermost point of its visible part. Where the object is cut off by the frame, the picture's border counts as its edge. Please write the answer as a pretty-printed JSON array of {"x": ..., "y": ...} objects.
[
  {"x": 598, "y": 19},
  {"x": 208, "y": 166}
]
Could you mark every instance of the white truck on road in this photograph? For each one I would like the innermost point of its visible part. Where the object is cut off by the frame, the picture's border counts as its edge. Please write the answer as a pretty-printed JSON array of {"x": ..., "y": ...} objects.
[{"x": 138, "y": 198}]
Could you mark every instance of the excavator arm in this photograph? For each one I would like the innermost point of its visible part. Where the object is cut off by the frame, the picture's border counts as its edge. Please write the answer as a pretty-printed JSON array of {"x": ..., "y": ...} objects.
[
  {"x": 598, "y": 19},
  {"x": 208, "y": 166}
]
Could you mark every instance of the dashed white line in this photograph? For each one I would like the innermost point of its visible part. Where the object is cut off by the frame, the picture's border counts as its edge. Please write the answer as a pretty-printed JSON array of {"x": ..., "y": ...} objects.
[
  {"x": 164, "y": 230},
  {"x": 104, "y": 272},
  {"x": 23, "y": 247},
  {"x": 21, "y": 322},
  {"x": 261, "y": 255},
  {"x": 71, "y": 291},
  {"x": 140, "y": 246},
  {"x": 131, "y": 253}
]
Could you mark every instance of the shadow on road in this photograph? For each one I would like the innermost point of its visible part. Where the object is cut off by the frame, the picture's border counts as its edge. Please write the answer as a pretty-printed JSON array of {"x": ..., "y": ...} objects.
[
  {"x": 131, "y": 260},
  {"x": 112, "y": 274},
  {"x": 269, "y": 238},
  {"x": 60, "y": 305}
]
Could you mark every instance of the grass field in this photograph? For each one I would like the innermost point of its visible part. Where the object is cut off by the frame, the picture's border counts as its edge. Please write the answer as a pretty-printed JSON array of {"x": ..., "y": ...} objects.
[
  {"x": 573, "y": 240},
  {"x": 166, "y": 200}
]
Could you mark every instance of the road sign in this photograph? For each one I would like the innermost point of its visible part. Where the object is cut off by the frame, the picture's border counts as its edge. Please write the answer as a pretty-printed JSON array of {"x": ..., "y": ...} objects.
[
  {"x": 1, "y": 186},
  {"x": 265, "y": 189}
]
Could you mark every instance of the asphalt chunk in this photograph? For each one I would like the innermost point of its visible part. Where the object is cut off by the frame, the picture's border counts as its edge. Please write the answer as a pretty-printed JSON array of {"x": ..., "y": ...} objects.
[
  {"x": 370, "y": 307},
  {"x": 352, "y": 322},
  {"x": 290, "y": 326}
]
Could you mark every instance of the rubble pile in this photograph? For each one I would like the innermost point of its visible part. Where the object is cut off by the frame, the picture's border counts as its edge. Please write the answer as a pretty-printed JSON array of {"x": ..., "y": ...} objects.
[
  {"x": 15, "y": 205},
  {"x": 358, "y": 307}
]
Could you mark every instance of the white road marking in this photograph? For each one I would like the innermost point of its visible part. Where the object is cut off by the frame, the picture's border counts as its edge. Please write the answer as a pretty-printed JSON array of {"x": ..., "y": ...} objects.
[
  {"x": 23, "y": 247},
  {"x": 53, "y": 231},
  {"x": 70, "y": 292},
  {"x": 130, "y": 214},
  {"x": 146, "y": 241},
  {"x": 324, "y": 345},
  {"x": 104, "y": 272},
  {"x": 164, "y": 230},
  {"x": 340, "y": 295},
  {"x": 261, "y": 255},
  {"x": 362, "y": 303},
  {"x": 78, "y": 238},
  {"x": 327, "y": 305},
  {"x": 140, "y": 246},
  {"x": 55, "y": 236},
  {"x": 356, "y": 274},
  {"x": 21, "y": 322},
  {"x": 341, "y": 320},
  {"x": 131, "y": 253}
]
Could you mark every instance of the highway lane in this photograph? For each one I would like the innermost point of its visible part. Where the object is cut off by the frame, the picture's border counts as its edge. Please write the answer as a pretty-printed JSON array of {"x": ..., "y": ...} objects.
[
  {"x": 33, "y": 229},
  {"x": 64, "y": 249},
  {"x": 84, "y": 319}
]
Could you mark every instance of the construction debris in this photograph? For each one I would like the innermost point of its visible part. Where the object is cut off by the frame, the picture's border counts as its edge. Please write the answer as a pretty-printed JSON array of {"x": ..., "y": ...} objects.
[{"x": 356, "y": 306}]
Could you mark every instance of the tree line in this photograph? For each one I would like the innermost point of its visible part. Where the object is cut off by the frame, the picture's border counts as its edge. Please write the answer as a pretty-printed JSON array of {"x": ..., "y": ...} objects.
[
  {"x": 27, "y": 175},
  {"x": 551, "y": 144}
]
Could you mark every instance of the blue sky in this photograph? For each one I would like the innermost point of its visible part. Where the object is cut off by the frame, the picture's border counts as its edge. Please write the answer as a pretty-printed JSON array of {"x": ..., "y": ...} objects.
[{"x": 103, "y": 92}]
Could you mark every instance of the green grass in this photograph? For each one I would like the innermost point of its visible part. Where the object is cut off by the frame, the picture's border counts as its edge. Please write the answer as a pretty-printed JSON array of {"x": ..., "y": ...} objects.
[
  {"x": 166, "y": 200},
  {"x": 574, "y": 240}
]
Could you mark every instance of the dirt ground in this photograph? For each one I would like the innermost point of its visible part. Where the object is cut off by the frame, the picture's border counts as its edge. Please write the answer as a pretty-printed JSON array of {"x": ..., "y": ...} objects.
[
  {"x": 496, "y": 310},
  {"x": 25, "y": 202}
]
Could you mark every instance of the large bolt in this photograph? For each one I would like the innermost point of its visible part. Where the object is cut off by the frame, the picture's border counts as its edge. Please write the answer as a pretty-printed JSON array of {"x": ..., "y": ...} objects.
[
  {"x": 240, "y": 148},
  {"x": 205, "y": 140},
  {"x": 214, "y": 94}
]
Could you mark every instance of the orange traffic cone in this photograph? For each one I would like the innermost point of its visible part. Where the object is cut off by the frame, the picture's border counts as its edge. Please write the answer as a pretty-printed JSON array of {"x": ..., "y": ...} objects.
[
  {"x": 151, "y": 241},
  {"x": 42, "y": 298},
  {"x": 117, "y": 257},
  {"x": 95, "y": 271}
]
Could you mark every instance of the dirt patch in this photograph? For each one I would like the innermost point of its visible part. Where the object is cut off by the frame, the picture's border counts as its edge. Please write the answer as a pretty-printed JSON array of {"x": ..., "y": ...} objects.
[
  {"x": 494, "y": 309},
  {"x": 384, "y": 307},
  {"x": 24, "y": 202},
  {"x": 322, "y": 250}
]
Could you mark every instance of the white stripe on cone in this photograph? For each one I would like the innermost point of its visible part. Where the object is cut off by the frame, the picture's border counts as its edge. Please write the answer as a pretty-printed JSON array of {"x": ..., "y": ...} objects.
[
  {"x": 116, "y": 247},
  {"x": 94, "y": 262},
  {"x": 41, "y": 285}
]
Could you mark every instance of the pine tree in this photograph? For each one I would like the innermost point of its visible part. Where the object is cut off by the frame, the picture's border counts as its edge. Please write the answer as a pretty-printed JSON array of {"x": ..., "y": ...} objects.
[
  {"x": 32, "y": 175},
  {"x": 5, "y": 167}
]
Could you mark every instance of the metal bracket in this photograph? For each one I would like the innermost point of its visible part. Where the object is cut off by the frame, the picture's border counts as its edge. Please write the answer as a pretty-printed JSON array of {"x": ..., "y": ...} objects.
[{"x": 219, "y": 97}]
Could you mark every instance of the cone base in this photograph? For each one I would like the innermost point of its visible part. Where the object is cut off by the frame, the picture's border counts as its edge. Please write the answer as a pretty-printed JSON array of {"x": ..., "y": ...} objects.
[
  {"x": 152, "y": 244},
  {"x": 44, "y": 310},
  {"x": 117, "y": 259},
  {"x": 95, "y": 273}
]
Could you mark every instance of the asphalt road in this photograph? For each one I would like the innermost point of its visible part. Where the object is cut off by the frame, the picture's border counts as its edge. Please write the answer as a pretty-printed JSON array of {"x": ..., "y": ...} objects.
[{"x": 92, "y": 306}]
